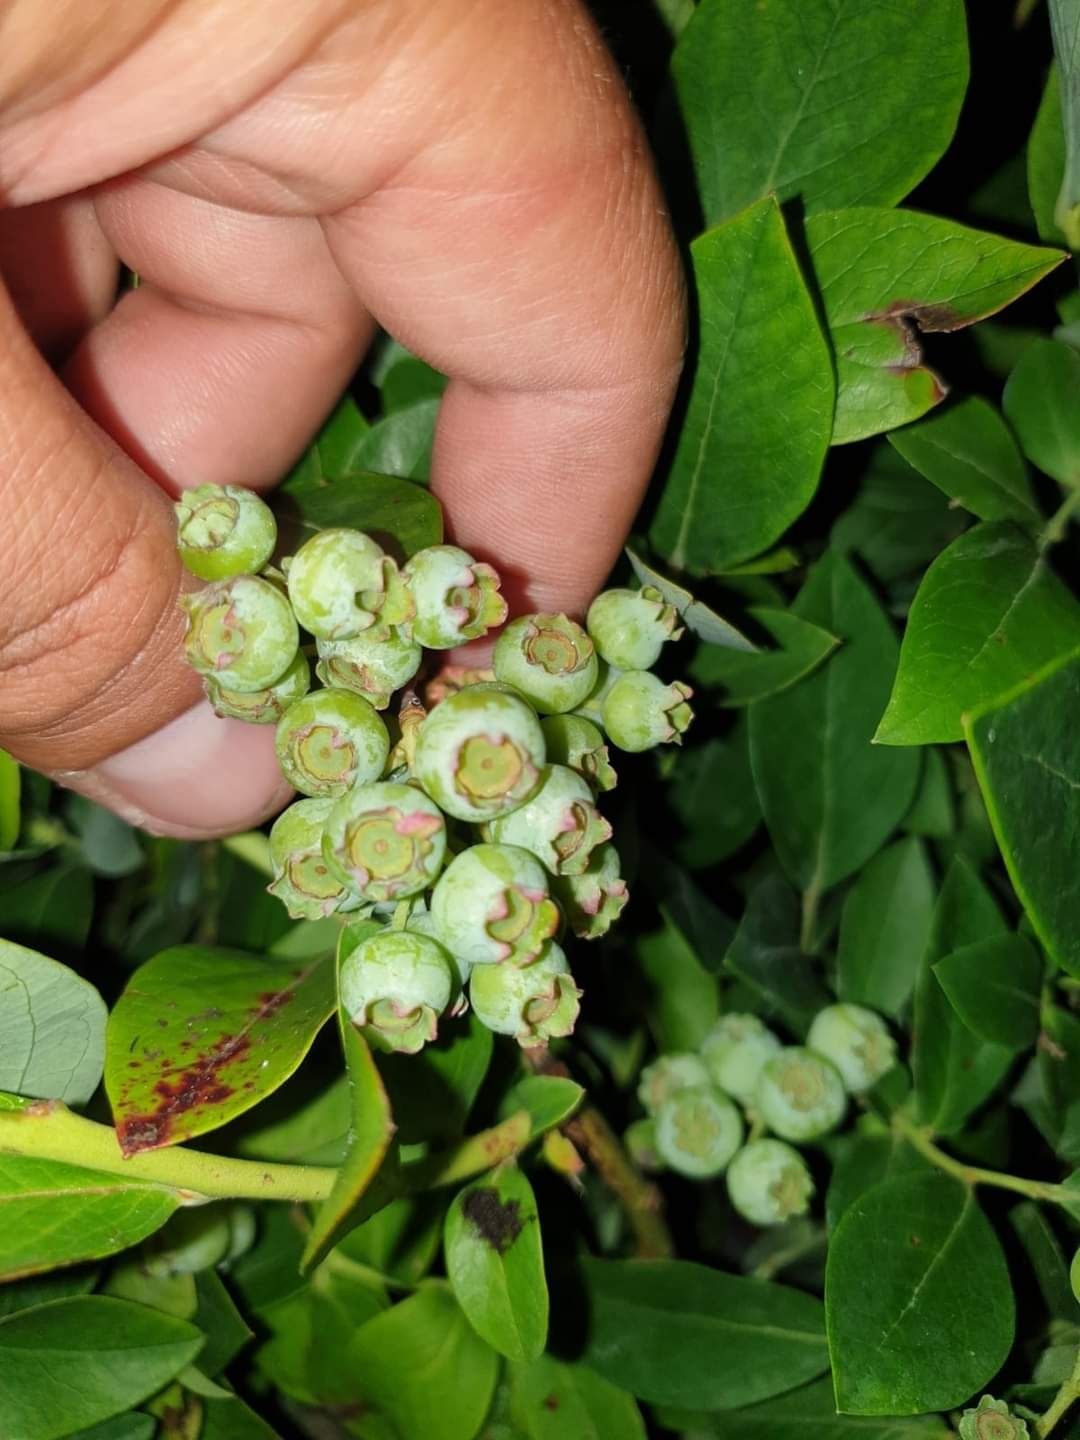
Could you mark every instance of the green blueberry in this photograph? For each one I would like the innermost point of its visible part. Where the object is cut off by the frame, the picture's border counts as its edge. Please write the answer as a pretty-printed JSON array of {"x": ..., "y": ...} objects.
[
  {"x": 629, "y": 627},
  {"x": 194, "y": 1240},
  {"x": 371, "y": 664},
  {"x": 800, "y": 1096},
  {"x": 384, "y": 841},
  {"x": 559, "y": 823},
  {"x": 698, "y": 1130},
  {"x": 593, "y": 900},
  {"x": 668, "y": 1074},
  {"x": 456, "y": 597},
  {"x": 592, "y": 707},
  {"x": 639, "y": 1142},
  {"x": 735, "y": 1051},
  {"x": 262, "y": 707},
  {"x": 640, "y": 711},
  {"x": 224, "y": 530},
  {"x": 422, "y": 922},
  {"x": 534, "y": 1003},
  {"x": 858, "y": 1043},
  {"x": 394, "y": 986},
  {"x": 331, "y": 740},
  {"x": 576, "y": 742},
  {"x": 303, "y": 881},
  {"x": 992, "y": 1420},
  {"x": 491, "y": 903},
  {"x": 769, "y": 1182},
  {"x": 479, "y": 753},
  {"x": 240, "y": 633},
  {"x": 548, "y": 659},
  {"x": 341, "y": 583}
]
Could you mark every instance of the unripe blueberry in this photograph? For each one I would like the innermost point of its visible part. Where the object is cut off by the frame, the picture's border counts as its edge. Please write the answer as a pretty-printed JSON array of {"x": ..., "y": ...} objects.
[
  {"x": 534, "y": 1003},
  {"x": 456, "y": 597},
  {"x": 629, "y": 627},
  {"x": 698, "y": 1130},
  {"x": 668, "y": 1074},
  {"x": 576, "y": 742},
  {"x": 548, "y": 659},
  {"x": 394, "y": 986},
  {"x": 593, "y": 900},
  {"x": 262, "y": 707},
  {"x": 385, "y": 841},
  {"x": 224, "y": 530},
  {"x": 240, "y": 632},
  {"x": 992, "y": 1420},
  {"x": 735, "y": 1051},
  {"x": 559, "y": 824},
  {"x": 479, "y": 753},
  {"x": 422, "y": 922},
  {"x": 331, "y": 740},
  {"x": 639, "y": 1141},
  {"x": 302, "y": 879},
  {"x": 800, "y": 1095},
  {"x": 768, "y": 1182},
  {"x": 192, "y": 1241},
  {"x": 341, "y": 583},
  {"x": 491, "y": 903},
  {"x": 592, "y": 707},
  {"x": 640, "y": 711},
  {"x": 372, "y": 664},
  {"x": 858, "y": 1043}
]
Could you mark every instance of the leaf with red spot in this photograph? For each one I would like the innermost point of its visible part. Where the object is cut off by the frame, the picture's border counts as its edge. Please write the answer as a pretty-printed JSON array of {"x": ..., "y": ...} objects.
[{"x": 202, "y": 1034}]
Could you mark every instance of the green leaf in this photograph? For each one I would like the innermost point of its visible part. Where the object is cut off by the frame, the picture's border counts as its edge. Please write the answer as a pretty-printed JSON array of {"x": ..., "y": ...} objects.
[
  {"x": 884, "y": 928},
  {"x": 52, "y": 1028},
  {"x": 675, "y": 1333},
  {"x": 765, "y": 956},
  {"x": 933, "y": 811},
  {"x": 38, "y": 1289},
  {"x": 369, "y": 1138},
  {"x": 968, "y": 452},
  {"x": 752, "y": 444},
  {"x": 408, "y": 380},
  {"x": 1046, "y": 161},
  {"x": 232, "y": 1420},
  {"x": 938, "y": 1274},
  {"x": 808, "y": 1414},
  {"x": 495, "y": 1263},
  {"x": 332, "y": 453},
  {"x": 709, "y": 833},
  {"x": 55, "y": 1214},
  {"x": 887, "y": 275},
  {"x": 682, "y": 996},
  {"x": 1046, "y": 1259},
  {"x": 548, "y": 1100},
  {"x": 399, "y": 514},
  {"x": 10, "y": 788},
  {"x": 424, "y": 1367},
  {"x": 400, "y": 443},
  {"x": 811, "y": 98},
  {"x": 700, "y": 619},
  {"x": 110, "y": 1353},
  {"x": 107, "y": 845},
  {"x": 859, "y": 1162},
  {"x": 954, "y": 1070},
  {"x": 1040, "y": 401},
  {"x": 123, "y": 1427},
  {"x": 1026, "y": 762},
  {"x": 201, "y": 1034},
  {"x": 1065, "y": 29},
  {"x": 220, "y": 1321},
  {"x": 748, "y": 676},
  {"x": 53, "y": 908},
  {"x": 402, "y": 1240},
  {"x": 988, "y": 613},
  {"x": 432, "y": 1093},
  {"x": 551, "y": 1400},
  {"x": 297, "y": 1126},
  {"x": 993, "y": 985},
  {"x": 830, "y": 798}
]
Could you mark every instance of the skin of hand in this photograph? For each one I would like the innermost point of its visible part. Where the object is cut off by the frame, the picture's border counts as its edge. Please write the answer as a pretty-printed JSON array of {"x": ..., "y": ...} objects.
[{"x": 467, "y": 174}]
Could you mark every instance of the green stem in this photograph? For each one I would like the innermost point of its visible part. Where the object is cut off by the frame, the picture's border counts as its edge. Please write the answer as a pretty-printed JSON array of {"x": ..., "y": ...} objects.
[
  {"x": 1055, "y": 527},
  {"x": 919, "y": 1138},
  {"x": 1070, "y": 1391},
  {"x": 253, "y": 848}
]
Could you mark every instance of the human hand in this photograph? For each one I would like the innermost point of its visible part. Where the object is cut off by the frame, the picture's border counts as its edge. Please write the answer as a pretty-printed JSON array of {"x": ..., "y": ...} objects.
[{"x": 283, "y": 178}]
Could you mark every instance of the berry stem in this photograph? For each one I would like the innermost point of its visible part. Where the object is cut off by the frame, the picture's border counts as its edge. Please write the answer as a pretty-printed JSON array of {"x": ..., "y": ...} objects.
[
  {"x": 920, "y": 1139},
  {"x": 1070, "y": 1391}
]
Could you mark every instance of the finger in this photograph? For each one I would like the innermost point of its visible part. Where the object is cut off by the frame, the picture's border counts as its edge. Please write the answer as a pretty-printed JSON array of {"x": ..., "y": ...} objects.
[{"x": 90, "y": 634}]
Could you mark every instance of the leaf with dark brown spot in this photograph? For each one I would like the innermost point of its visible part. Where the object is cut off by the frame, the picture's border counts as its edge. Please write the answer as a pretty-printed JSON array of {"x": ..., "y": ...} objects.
[{"x": 202, "y": 1034}]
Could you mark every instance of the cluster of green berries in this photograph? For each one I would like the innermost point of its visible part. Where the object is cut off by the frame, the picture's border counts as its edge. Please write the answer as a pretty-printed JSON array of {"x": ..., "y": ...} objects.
[
  {"x": 475, "y": 825},
  {"x": 699, "y": 1106}
]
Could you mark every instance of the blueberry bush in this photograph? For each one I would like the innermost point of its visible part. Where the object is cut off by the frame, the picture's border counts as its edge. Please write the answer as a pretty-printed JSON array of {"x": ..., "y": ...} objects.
[{"x": 555, "y": 1066}]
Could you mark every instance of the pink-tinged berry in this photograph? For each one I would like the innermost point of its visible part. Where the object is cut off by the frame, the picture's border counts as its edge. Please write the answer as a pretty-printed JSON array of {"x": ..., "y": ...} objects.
[
  {"x": 224, "y": 530},
  {"x": 241, "y": 633},
  {"x": 330, "y": 741},
  {"x": 394, "y": 986},
  {"x": 594, "y": 900},
  {"x": 456, "y": 597},
  {"x": 640, "y": 711},
  {"x": 491, "y": 904},
  {"x": 262, "y": 707},
  {"x": 371, "y": 665},
  {"x": 630, "y": 627},
  {"x": 479, "y": 753},
  {"x": 559, "y": 824},
  {"x": 341, "y": 584},
  {"x": 537, "y": 1003},
  {"x": 385, "y": 841},
  {"x": 548, "y": 659},
  {"x": 303, "y": 881}
]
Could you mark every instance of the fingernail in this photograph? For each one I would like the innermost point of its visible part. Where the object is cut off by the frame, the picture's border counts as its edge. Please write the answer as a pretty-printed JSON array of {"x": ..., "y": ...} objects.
[{"x": 197, "y": 777}]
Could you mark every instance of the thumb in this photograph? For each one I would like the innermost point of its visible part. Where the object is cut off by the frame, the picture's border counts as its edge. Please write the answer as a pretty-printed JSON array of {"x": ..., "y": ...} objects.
[{"x": 94, "y": 689}]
